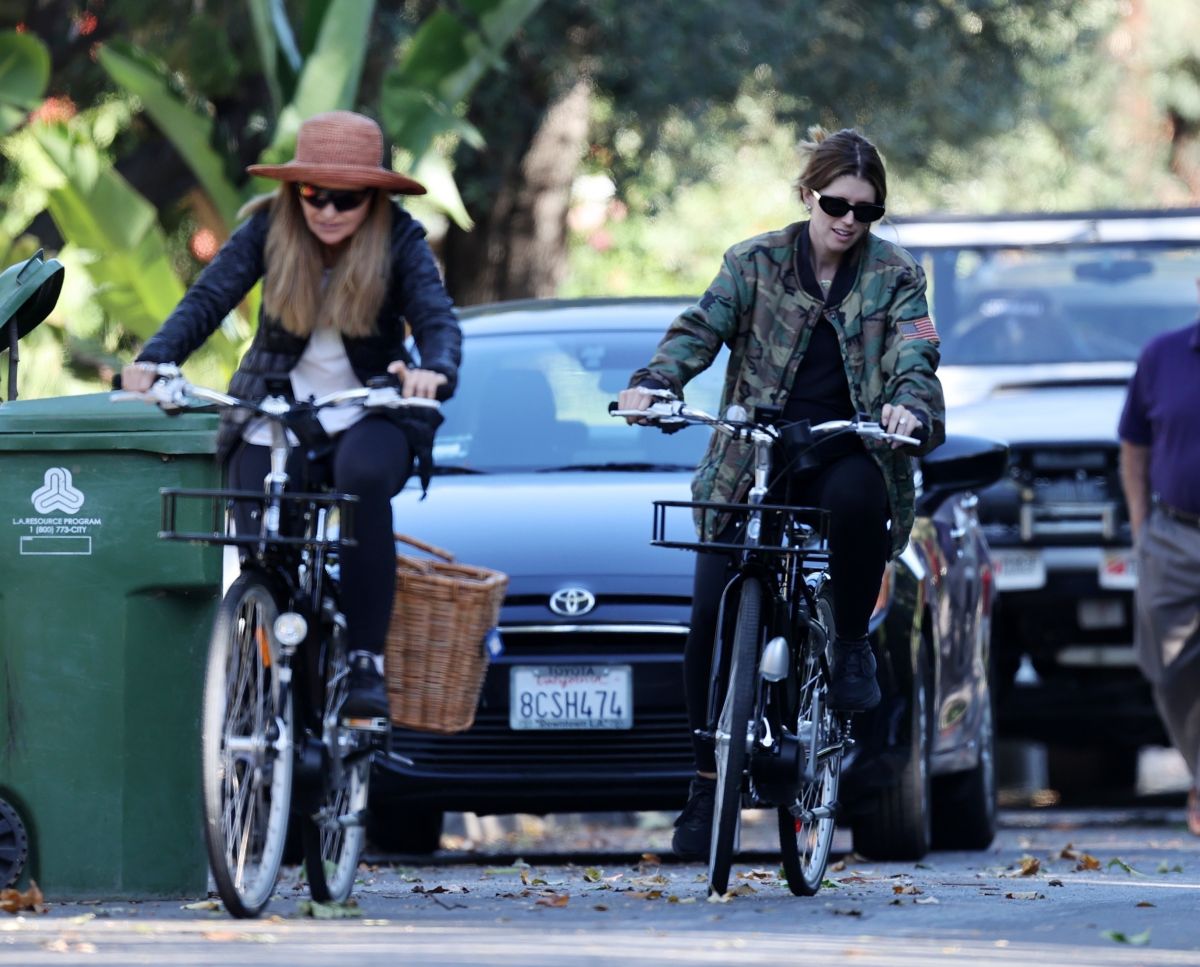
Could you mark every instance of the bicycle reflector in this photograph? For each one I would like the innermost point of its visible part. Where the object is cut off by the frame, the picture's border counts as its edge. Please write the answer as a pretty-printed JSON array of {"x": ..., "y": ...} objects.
[{"x": 290, "y": 629}]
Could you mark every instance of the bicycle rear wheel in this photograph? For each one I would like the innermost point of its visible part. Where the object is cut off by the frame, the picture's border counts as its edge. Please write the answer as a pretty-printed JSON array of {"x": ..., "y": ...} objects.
[
  {"x": 334, "y": 834},
  {"x": 734, "y": 734},
  {"x": 806, "y": 827},
  {"x": 246, "y": 749}
]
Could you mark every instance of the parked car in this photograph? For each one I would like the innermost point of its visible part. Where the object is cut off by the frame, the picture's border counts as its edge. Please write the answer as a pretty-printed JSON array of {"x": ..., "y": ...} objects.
[
  {"x": 1042, "y": 319},
  {"x": 537, "y": 480}
]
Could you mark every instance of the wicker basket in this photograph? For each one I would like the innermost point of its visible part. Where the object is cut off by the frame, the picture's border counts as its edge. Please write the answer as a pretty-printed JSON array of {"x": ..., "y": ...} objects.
[{"x": 435, "y": 657}]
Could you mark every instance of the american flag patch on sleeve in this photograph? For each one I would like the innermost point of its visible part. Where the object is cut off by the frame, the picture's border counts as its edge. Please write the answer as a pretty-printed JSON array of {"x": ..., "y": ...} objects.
[{"x": 922, "y": 328}]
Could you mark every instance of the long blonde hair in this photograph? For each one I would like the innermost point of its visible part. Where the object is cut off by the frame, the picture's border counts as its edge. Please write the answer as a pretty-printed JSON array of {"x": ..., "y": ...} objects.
[{"x": 292, "y": 292}]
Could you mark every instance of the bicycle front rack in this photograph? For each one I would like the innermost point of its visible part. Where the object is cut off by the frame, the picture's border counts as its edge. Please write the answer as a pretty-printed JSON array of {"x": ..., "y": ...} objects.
[
  {"x": 196, "y": 508},
  {"x": 800, "y": 530}
]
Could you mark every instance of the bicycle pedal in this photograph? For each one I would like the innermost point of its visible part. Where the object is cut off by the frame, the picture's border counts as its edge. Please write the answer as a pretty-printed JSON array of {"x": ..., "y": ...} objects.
[{"x": 378, "y": 724}]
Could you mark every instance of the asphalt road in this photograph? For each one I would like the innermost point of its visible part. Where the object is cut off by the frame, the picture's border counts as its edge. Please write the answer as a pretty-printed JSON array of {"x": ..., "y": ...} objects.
[{"x": 1058, "y": 887}]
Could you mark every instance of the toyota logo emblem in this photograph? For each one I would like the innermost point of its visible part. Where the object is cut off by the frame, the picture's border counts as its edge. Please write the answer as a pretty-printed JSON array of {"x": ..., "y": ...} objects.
[{"x": 572, "y": 602}]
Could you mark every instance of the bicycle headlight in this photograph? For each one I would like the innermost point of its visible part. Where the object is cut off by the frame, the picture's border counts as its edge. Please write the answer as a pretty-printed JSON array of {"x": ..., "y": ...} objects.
[{"x": 290, "y": 629}]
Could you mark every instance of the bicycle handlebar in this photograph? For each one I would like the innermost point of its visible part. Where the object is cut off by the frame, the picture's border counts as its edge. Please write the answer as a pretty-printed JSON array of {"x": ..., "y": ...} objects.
[
  {"x": 172, "y": 391},
  {"x": 670, "y": 411}
]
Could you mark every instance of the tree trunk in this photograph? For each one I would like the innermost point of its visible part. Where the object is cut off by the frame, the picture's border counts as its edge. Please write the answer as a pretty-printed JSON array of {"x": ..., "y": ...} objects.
[{"x": 518, "y": 248}]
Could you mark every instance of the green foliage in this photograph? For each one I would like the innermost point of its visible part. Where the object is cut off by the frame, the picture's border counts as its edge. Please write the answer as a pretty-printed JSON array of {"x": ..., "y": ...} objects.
[
  {"x": 24, "y": 71},
  {"x": 189, "y": 130}
]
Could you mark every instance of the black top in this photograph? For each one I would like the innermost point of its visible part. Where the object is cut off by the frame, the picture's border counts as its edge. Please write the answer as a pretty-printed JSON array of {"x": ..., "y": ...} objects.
[{"x": 821, "y": 391}]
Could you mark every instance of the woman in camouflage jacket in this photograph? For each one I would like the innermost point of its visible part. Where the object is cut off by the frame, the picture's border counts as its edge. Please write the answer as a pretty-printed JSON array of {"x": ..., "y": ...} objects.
[{"x": 825, "y": 321}]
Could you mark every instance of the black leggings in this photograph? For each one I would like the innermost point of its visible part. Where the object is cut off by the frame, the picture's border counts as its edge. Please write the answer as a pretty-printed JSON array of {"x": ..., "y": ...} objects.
[
  {"x": 852, "y": 490},
  {"x": 372, "y": 460}
]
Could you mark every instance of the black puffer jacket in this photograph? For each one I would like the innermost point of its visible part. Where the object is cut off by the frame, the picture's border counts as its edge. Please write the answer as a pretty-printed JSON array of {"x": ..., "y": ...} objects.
[{"x": 416, "y": 295}]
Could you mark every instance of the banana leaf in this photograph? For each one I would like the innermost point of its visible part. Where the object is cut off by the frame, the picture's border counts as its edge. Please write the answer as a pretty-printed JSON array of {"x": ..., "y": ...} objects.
[
  {"x": 24, "y": 73},
  {"x": 94, "y": 207},
  {"x": 189, "y": 130}
]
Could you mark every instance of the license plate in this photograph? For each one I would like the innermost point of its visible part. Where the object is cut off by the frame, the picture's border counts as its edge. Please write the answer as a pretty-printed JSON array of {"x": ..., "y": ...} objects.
[
  {"x": 570, "y": 697},
  {"x": 1018, "y": 570},
  {"x": 1118, "y": 569}
]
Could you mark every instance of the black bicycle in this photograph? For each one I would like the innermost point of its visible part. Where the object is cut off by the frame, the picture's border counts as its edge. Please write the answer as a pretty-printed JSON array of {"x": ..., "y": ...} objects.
[
  {"x": 274, "y": 742},
  {"x": 778, "y": 744}
]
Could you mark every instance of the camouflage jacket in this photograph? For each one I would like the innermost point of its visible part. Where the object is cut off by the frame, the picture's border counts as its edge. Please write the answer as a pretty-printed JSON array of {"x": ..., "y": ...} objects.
[{"x": 758, "y": 308}]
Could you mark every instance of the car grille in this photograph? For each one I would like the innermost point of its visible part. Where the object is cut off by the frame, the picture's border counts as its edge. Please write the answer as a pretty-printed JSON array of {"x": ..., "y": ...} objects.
[
  {"x": 1056, "y": 495},
  {"x": 657, "y": 742}
]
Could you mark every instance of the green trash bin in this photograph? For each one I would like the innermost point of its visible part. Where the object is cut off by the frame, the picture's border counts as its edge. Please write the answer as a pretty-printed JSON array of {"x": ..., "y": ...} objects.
[{"x": 105, "y": 630}]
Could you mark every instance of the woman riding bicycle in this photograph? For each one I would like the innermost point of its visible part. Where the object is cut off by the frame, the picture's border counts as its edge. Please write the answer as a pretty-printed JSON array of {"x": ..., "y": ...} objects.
[
  {"x": 344, "y": 269},
  {"x": 824, "y": 321}
]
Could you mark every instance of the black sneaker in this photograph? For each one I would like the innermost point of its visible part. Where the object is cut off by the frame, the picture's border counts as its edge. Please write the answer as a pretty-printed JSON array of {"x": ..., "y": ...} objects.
[
  {"x": 367, "y": 702},
  {"x": 693, "y": 828},
  {"x": 854, "y": 687}
]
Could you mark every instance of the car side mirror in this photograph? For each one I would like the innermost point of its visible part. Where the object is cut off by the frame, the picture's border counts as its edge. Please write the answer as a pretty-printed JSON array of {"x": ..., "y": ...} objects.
[{"x": 961, "y": 463}]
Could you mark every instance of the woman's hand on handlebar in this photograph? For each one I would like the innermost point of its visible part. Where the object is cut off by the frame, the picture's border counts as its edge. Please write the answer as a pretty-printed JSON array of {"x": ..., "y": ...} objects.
[
  {"x": 900, "y": 419},
  {"x": 417, "y": 382},
  {"x": 138, "y": 377}
]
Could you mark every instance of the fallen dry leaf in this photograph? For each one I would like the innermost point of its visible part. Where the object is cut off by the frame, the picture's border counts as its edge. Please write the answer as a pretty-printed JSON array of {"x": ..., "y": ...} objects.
[
  {"x": 557, "y": 900},
  {"x": 1029, "y": 865},
  {"x": 644, "y": 894},
  {"x": 1087, "y": 862},
  {"x": 593, "y": 875},
  {"x": 202, "y": 905},
  {"x": 908, "y": 890},
  {"x": 837, "y": 867},
  {"x": 1145, "y": 903},
  {"x": 14, "y": 901}
]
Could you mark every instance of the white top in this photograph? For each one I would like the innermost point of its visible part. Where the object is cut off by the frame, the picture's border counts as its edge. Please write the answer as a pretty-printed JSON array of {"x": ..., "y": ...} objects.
[{"x": 323, "y": 368}]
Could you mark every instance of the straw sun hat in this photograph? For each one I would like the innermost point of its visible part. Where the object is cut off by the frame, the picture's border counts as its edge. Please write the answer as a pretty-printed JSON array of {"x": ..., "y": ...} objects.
[{"x": 340, "y": 149}]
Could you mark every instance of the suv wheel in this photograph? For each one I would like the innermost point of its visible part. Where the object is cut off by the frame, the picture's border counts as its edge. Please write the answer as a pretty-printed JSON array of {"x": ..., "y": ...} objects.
[
  {"x": 895, "y": 824},
  {"x": 964, "y": 803}
]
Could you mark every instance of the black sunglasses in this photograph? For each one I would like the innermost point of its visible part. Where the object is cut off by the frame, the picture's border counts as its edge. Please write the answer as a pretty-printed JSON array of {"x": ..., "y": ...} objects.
[
  {"x": 864, "y": 211},
  {"x": 343, "y": 201}
]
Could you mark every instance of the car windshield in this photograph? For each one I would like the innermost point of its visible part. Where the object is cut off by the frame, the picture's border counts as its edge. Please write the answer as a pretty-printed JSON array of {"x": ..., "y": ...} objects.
[
  {"x": 1066, "y": 304},
  {"x": 539, "y": 402}
]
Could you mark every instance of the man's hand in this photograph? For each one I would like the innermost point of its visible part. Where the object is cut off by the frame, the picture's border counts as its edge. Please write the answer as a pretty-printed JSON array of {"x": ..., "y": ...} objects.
[{"x": 417, "y": 382}]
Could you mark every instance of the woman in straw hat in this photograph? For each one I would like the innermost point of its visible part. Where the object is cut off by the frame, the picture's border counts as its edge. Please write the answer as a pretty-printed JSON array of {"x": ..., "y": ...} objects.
[{"x": 343, "y": 269}]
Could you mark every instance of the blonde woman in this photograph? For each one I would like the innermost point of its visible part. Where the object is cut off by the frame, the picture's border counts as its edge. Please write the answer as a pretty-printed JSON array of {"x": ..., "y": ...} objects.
[{"x": 344, "y": 269}]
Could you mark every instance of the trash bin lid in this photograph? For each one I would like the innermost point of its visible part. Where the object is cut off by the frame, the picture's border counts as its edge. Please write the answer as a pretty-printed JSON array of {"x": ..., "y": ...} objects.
[
  {"x": 28, "y": 291},
  {"x": 93, "y": 421}
]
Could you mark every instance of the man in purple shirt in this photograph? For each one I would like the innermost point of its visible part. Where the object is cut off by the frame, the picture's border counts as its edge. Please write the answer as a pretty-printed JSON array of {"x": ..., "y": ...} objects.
[{"x": 1160, "y": 472}]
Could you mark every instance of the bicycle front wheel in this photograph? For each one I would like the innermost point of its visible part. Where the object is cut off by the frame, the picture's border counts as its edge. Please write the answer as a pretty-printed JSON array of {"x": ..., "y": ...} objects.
[
  {"x": 806, "y": 827},
  {"x": 734, "y": 734},
  {"x": 246, "y": 739},
  {"x": 334, "y": 834}
]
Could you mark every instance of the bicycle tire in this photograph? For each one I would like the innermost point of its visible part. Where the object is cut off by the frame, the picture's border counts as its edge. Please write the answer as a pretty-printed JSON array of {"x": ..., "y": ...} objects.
[
  {"x": 805, "y": 843},
  {"x": 246, "y": 749},
  {"x": 334, "y": 835},
  {"x": 734, "y": 731}
]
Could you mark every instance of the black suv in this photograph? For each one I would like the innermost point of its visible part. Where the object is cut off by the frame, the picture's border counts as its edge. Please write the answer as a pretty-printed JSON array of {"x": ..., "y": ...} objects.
[{"x": 1042, "y": 318}]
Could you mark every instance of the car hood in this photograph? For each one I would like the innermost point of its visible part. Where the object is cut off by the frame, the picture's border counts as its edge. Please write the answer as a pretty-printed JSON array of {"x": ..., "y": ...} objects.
[
  {"x": 1024, "y": 414},
  {"x": 556, "y": 528},
  {"x": 969, "y": 384}
]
